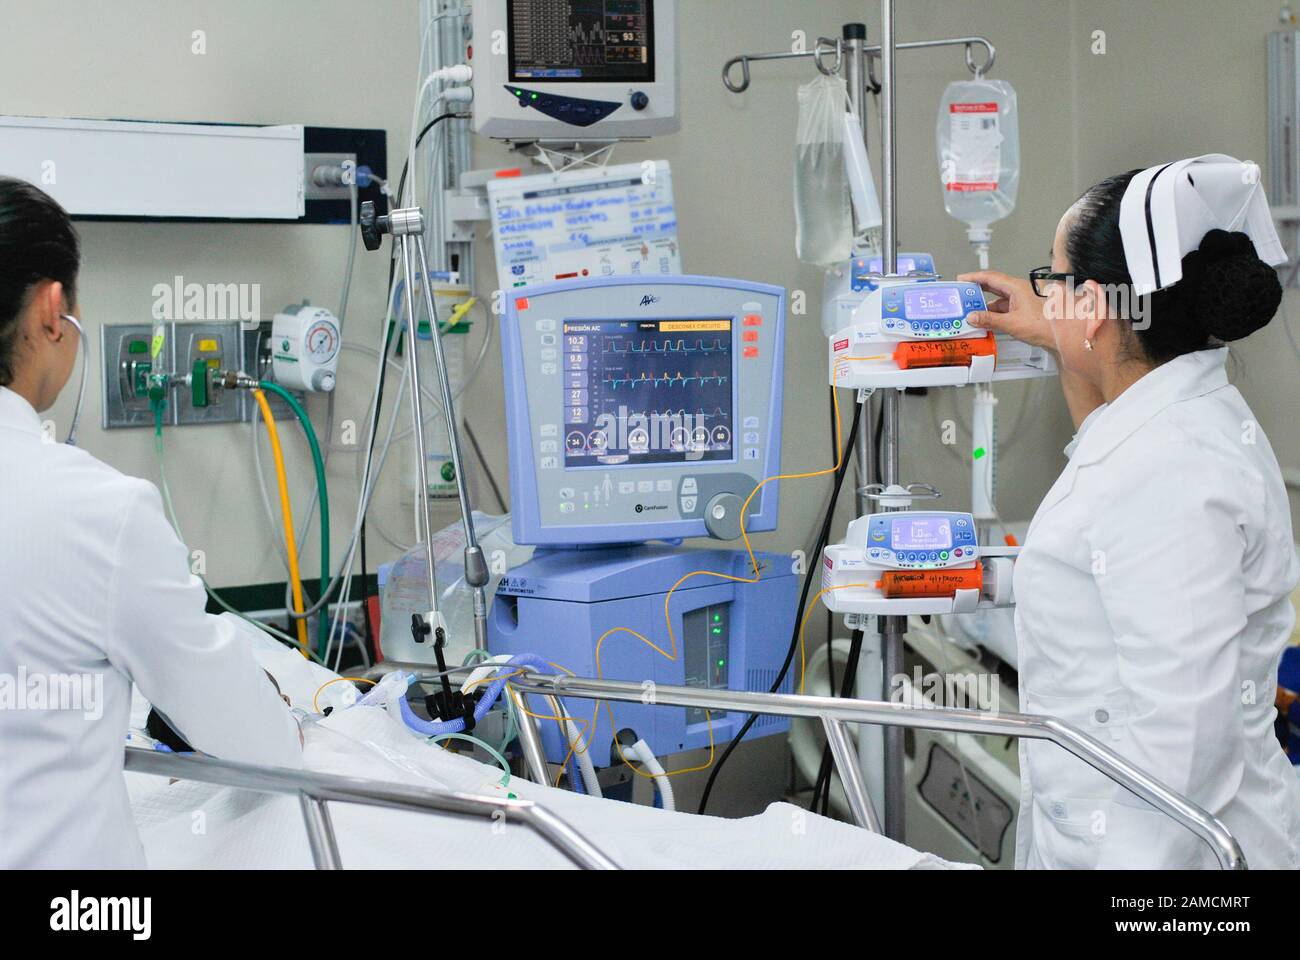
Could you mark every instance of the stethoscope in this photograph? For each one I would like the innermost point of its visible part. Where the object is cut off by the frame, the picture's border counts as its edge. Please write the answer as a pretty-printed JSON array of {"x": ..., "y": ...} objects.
[{"x": 85, "y": 372}]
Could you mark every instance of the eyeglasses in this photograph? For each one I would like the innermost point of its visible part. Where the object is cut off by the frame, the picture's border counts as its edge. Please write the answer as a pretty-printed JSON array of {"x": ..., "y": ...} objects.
[{"x": 1042, "y": 275}]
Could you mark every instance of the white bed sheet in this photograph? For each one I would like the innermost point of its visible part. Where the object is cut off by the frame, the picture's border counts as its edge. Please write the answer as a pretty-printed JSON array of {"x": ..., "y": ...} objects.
[{"x": 194, "y": 825}]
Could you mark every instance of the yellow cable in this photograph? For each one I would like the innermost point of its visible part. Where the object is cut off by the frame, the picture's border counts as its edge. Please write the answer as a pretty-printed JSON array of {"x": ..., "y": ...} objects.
[
  {"x": 315, "y": 705},
  {"x": 286, "y": 509},
  {"x": 559, "y": 721},
  {"x": 753, "y": 561},
  {"x": 803, "y": 624}
]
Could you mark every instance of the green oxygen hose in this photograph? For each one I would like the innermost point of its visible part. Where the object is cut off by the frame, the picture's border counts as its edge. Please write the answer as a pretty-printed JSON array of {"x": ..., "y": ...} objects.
[
  {"x": 220, "y": 601},
  {"x": 322, "y": 618}
]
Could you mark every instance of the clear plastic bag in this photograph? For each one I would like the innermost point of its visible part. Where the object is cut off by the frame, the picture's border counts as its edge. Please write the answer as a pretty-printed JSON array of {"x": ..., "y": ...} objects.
[
  {"x": 405, "y": 588},
  {"x": 823, "y": 220},
  {"x": 978, "y": 136}
]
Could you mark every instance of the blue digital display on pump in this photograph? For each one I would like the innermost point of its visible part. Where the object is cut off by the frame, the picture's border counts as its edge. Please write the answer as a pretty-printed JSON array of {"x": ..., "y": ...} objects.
[
  {"x": 921, "y": 540},
  {"x": 929, "y": 309}
]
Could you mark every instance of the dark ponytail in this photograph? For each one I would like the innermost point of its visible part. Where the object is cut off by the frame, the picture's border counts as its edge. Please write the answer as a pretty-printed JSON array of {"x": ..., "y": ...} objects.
[
  {"x": 37, "y": 242},
  {"x": 1226, "y": 292}
]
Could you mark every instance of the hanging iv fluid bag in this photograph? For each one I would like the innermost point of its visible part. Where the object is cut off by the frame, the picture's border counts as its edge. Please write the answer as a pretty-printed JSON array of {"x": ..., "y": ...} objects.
[
  {"x": 823, "y": 221},
  {"x": 978, "y": 136}
]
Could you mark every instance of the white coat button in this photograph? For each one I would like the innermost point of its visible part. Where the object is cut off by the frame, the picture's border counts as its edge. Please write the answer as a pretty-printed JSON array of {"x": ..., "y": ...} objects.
[{"x": 1102, "y": 716}]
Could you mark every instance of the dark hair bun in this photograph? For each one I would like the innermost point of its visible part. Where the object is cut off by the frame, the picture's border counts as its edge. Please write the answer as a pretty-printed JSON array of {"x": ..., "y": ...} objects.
[{"x": 1235, "y": 293}]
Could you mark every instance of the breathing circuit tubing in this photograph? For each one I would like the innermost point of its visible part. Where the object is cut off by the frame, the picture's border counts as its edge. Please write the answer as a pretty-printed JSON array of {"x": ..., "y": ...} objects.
[{"x": 433, "y": 728}]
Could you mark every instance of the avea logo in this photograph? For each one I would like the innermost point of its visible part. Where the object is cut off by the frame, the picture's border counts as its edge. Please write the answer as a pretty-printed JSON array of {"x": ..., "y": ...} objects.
[{"x": 648, "y": 299}]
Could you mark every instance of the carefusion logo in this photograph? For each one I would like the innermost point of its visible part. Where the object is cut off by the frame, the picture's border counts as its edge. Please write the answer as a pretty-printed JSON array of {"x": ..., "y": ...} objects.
[{"x": 77, "y": 914}]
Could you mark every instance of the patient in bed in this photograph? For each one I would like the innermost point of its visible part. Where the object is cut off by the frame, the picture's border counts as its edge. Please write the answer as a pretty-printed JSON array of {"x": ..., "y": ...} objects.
[{"x": 196, "y": 825}]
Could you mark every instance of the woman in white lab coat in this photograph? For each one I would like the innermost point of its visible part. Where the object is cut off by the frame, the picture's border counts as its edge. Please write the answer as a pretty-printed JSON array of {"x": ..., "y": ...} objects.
[
  {"x": 1153, "y": 586},
  {"x": 95, "y": 593}
]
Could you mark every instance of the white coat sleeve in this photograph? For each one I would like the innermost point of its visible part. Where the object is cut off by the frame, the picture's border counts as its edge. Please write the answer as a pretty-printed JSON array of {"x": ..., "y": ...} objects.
[
  {"x": 196, "y": 669},
  {"x": 1173, "y": 591}
]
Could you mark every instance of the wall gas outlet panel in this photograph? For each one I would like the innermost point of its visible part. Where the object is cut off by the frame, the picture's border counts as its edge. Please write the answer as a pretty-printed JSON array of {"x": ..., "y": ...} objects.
[
  {"x": 202, "y": 350},
  {"x": 126, "y": 366},
  {"x": 196, "y": 349}
]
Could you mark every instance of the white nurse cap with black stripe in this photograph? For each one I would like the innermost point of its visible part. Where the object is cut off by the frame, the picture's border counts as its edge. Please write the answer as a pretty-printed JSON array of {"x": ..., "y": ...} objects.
[{"x": 1168, "y": 209}]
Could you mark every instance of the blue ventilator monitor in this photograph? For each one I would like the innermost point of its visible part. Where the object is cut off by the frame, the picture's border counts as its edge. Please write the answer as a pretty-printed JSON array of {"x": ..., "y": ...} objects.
[{"x": 641, "y": 411}]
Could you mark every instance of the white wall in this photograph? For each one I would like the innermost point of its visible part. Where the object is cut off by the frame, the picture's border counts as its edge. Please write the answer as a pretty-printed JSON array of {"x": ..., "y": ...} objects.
[{"x": 285, "y": 62}]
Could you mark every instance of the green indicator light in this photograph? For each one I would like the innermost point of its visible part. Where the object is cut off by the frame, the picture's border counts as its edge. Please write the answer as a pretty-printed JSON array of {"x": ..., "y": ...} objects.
[
  {"x": 717, "y": 618},
  {"x": 534, "y": 96},
  {"x": 978, "y": 454},
  {"x": 717, "y": 631},
  {"x": 722, "y": 663},
  {"x": 138, "y": 346}
]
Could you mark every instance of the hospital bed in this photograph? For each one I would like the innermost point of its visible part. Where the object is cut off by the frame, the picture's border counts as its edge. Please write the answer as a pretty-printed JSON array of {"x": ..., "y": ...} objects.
[{"x": 367, "y": 777}]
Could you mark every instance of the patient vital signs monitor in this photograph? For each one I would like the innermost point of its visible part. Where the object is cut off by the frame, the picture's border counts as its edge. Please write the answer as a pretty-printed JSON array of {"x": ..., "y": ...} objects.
[
  {"x": 642, "y": 408},
  {"x": 567, "y": 69}
]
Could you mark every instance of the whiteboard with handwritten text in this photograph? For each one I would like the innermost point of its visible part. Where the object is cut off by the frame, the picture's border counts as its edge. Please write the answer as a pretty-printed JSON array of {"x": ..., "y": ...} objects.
[{"x": 598, "y": 222}]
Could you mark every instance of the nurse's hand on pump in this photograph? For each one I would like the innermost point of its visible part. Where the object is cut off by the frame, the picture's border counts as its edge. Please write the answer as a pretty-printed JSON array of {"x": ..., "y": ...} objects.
[{"x": 1017, "y": 311}]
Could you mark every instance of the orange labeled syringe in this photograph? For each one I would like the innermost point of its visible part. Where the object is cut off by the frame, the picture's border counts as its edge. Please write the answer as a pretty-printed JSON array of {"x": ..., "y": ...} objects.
[
  {"x": 943, "y": 353},
  {"x": 929, "y": 583}
]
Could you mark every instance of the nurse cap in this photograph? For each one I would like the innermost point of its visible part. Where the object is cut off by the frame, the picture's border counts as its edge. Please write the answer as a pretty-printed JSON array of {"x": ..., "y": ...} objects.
[{"x": 1168, "y": 209}]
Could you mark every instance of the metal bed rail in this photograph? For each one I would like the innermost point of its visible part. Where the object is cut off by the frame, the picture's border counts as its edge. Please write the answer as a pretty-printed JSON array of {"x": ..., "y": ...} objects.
[
  {"x": 314, "y": 790},
  {"x": 835, "y": 712}
]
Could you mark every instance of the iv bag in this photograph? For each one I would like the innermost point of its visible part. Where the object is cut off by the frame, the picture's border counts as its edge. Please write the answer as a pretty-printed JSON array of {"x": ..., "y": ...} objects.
[
  {"x": 978, "y": 136},
  {"x": 823, "y": 222}
]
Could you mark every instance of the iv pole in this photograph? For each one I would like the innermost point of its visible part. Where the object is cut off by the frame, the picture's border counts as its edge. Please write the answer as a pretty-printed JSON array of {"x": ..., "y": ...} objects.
[
  {"x": 406, "y": 226},
  {"x": 853, "y": 56},
  {"x": 892, "y": 629}
]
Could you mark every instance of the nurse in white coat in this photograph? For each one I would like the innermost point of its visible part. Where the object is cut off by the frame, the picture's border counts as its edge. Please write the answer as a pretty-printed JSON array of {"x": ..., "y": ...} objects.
[
  {"x": 95, "y": 593},
  {"x": 1153, "y": 586}
]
